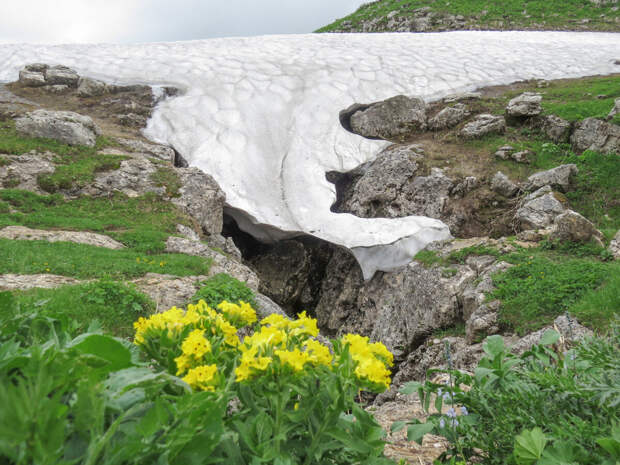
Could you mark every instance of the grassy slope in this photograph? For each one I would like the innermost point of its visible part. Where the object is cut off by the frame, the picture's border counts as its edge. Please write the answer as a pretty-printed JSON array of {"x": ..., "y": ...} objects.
[{"x": 493, "y": 15}]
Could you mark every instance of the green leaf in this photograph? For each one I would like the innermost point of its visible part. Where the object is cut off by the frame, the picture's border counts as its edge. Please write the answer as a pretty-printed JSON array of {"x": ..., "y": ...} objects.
[
  {"x": 611, "y": 445},
  {"x": 397, "y": 426},
  {"x": 529, "y": 446},
  {"x": 561, "y": 453},
  {"x": 410, "y": 388},
  {"x": 550, "y": 337},
  {"x": 417, "y": 432},
  {"x": 108, "y": 348},
  {"x": 493, "y": 346}
]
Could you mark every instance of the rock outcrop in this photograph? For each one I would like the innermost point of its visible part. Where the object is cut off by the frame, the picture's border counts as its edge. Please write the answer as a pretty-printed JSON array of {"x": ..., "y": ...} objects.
[
  {"x": 539, "y": 209},
  {"x": 560, "y": 178},
  {"x": 595, "y": 134},
  {"x": 525, "y": 105},
  {"x": 23, "y": 233},
  {"x": 64, "y": 126},
  {"x": 503, "y": 185},
  {"x": 482, "y": 125}
]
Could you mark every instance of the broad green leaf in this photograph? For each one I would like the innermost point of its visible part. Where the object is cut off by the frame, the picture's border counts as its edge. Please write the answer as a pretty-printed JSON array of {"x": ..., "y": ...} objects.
[
  {"x": 529, "y": 446},
  {"x": 493, "y": 345},
  {"x": 611, "y": 445},
  {"x": 417, "y": 432},
  {"x": 397, "y": 426},
  {"x": 550, "y": 337},
  {"x": 108, "y": 348},
  {"x": 410, "y": 388},
  {"x": 561, "y": 453}
]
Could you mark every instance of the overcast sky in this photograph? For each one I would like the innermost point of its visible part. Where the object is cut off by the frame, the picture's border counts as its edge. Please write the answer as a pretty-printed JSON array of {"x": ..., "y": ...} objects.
[{"x": 122, "y": 21}]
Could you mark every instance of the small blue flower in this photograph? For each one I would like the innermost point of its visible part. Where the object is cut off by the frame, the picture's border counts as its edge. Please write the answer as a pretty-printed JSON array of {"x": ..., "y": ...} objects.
[
  {"x": 455, "y": 422},
  {"x": 439, "y": 391},
  {"x": 442, "y": 423},
  {"x": 447, "y": 396},
  {"x": 451, "y": 413},
  {"x": 464, "y": 410}
]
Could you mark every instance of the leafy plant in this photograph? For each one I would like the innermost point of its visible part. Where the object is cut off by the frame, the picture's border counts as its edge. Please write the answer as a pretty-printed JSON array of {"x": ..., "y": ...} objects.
[{"x": 223, "y": 287}]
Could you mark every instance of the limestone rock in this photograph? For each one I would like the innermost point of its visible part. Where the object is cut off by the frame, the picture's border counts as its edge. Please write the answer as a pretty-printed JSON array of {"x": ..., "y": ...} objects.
[
  {"x": 482, "y": 125},
  {"x": 22, "y": 171},
  {"x": 133, "y": 179},
  {"x": 615, "y": 110},
  {"x": 522, "y": 156},
  {"x": 265, "y": 306},
  {"x": 571, "y": 226},
  {"x": 12, "y": 282},
  {"x": 539, "y": 209},
  {"x": 79, "y": 237},
  {"x": 187, "y": 232},
  {"x": 595, "y": 134},
  {"x": 132, "y": 120},
  {"x": 525, "y": 105},
  {"x": 162, "y": 152},
  {"x": 614, "y": 246},
  {"x": 61, "y": 75},
  {"x": 504, "y": 152},
  {"x": 64, "y": 126},
  {"x": 88, "y": 87},
  {"x": 503, "y": 186},
  {"x": 464, "y": 187},
  {"x": 168, "y": 291},
  {"x": 57, "y": 89},
  {"x": 560, "y": 178},
  {"x": 569, "y": 329},
  {"x": 483, "y": 322},
  {"x": 31, "y": 78},
  {"x": 36, "y": 67},
  {"x": 201, "y": 198},
  {"x": 557, "y": 129},
  {"x": 221, "y": 263},
  {"x": 449, "y": 117},
  {"x": 390, "y": 118}
]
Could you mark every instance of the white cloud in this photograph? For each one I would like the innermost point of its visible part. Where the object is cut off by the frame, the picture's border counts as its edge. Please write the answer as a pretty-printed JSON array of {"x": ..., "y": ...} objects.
[{"x": 66, "y": 21}]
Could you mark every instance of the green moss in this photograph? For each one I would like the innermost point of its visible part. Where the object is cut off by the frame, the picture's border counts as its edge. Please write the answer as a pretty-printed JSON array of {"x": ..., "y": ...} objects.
[
  {"x": 427, "y": 258},
  {"x": 78, "y": 170},
  {"x": 459, "y": 256}
]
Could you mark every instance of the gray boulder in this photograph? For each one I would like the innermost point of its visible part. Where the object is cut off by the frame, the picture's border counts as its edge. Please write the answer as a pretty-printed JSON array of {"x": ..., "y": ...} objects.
[
  {"x": 571, "y": 226},
  {"x": 201, "y": 198},
  {"x": 22, "y": 171},
  {"x": 556, "y": 128},
  {"x": 560, "y": 178},
  {"x": 539, "y": 209},
  {"x": 65, "y": 126},
  {"x": 448, "y": 117},
  {"x": 503, "y": 186},
  {"x": 595, "y": 134},
  {"x": 31, "y": 78},
  {"x": 88, "y": 87},
  {"x": 61, "y": 75},
  {"x": 482, "y": 125},
  {"x": 133, "y": 179},
  {"x": 525, "y": 105},
  {"x": 58, "y": 89},
  {"x": 522, "y": 156},
  {"x": 36, "y": 67},
  {"x": 162, "y": 152},
  {"x": 390, "y": 118}
]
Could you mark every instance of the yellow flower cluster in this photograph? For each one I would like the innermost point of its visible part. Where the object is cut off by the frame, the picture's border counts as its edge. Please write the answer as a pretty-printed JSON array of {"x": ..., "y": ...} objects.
[
  {"x": 242, "y": 313},
  {"x": 202, "y": 378},
  {"x": 283, "y": 339},
  {"x": 371, "y": 360}
]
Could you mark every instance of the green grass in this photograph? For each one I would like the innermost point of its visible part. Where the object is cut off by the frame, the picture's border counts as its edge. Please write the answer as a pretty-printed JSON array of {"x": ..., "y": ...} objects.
[
  {"x": 458, "y": 330},
  {"x": 114, "y": 305},
  {"x": 224, "y": 287},
  {"x": 548, "y": 14},
  {"x": 142, "y": 223},
  {"x": 90, "y": 262}
]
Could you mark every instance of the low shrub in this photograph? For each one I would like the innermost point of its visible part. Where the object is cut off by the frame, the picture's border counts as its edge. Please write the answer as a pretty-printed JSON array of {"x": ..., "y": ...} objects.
[
  {"x": 545, "y": 407},
  {"x": 223, "y": 287}
]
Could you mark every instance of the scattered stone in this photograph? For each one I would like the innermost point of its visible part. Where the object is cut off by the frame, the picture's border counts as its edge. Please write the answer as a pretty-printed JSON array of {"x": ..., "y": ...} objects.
[
  {"x": 482, "y": 125},
  {"x": 58, "y": 89},
  {"x": 614, "y": 246},
  {"x": 462, "y": 96},
  {"x": 539, "y": 209},
  {"x": 504, "y": 152},
  {"x": 560, "y": 178},
  {"x": 162, "y": 152},
  {"x": 525, "y": 105},
  {"x": 556, "y": 128},
  {"x": 221, "y": 263},
  {"x": 79, "y": 237},
  {"x": 88, "y": 87},
  {"x": 13, "y": 282},
  {"x": 597, "y": 135},
  {"x": 23, "y": 171},
  {"x": 464, "y": 187},
  {"x": 389, "y": 119},
  {"x": 503, "y": 186},
  {"x": 64, "y": 126},
  {"x": 61, "y": 75},
  {"x": 522, "y": 157},
  {"x": 571, "y": 226},
  {"x": 615, "y": 110},
  {"x": 448, "y": 117},
  {"x": 132, "y": 120}
]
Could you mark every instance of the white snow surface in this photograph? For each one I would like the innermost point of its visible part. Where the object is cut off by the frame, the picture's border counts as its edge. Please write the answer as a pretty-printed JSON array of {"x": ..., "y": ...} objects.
[{"x": 260, "y": 114}]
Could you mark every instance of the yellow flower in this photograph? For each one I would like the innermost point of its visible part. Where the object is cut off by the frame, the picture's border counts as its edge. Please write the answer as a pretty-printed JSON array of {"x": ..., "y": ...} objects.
[
  {"x": 318, "y": 354},
  {"x": 196, "y": 344},
  {"x": 304, "y": 326},
  {"x": 243, "y": 313},
  {"x": 202, "y": 377},
  {"x": 183, "y": 362},
  {"x": 375, "y": 371},
  {"x": 267, "y": 336},
  {"x": 294, "y": 358},
  {"x": 250, "y": 363}
]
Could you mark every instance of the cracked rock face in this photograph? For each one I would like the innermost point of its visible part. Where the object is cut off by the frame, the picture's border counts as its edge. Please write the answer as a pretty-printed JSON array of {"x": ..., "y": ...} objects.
[
  {"x": 525, "y": 105},
  {"x": 390, "y": 119},
  {"x": 595, "y": 134},
  {"x": 560, "y": 178},
  {"x": 539, "y": 209},
  {"x": 260, "y": 115},
  {"x": 482, "y": 125}
]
